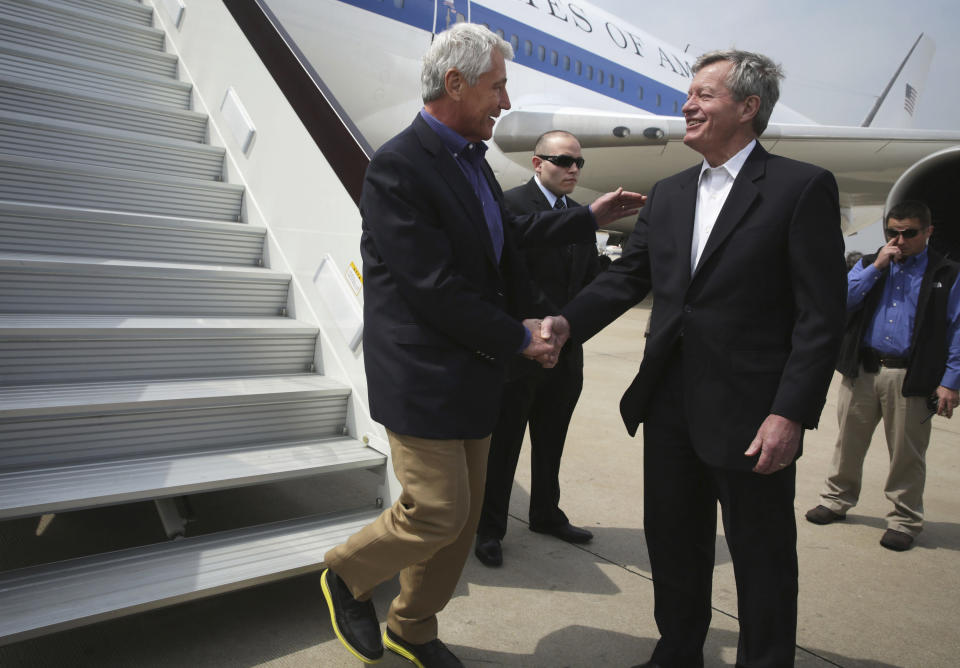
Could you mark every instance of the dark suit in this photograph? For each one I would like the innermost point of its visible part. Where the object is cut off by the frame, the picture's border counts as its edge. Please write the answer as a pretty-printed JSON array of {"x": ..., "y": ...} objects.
[
  {"x": 755, "y": 330},
  {"x": 545, "y": 398}
]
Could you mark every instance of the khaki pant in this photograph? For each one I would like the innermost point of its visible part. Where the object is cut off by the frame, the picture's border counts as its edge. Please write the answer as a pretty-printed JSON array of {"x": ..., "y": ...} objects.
[
  {"x": 426, "y": 535},
  {"x": 862, "y": 402}
]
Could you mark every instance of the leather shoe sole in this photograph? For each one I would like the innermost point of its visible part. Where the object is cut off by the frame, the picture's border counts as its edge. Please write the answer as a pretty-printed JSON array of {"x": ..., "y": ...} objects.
[
  {"x": 823, "y": 515},
  {"x": 433, "y": 654},
  {"x": 566, "y": 532},
  {"x": 489, "y": 552},
  {"x": 338, "y": 597},
  {"x": 897, "y": 541}
]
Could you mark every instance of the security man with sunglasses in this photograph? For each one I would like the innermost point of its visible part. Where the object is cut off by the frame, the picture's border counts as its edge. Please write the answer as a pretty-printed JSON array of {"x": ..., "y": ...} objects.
[
  {"x": 542, "y": 398},
  {"x": 900, "y": 361}
]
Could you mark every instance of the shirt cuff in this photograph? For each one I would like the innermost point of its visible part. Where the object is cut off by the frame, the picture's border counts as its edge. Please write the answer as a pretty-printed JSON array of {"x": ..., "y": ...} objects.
[
  {"x": 951, "y": 379},
  {"x": 526, "y": 340}
]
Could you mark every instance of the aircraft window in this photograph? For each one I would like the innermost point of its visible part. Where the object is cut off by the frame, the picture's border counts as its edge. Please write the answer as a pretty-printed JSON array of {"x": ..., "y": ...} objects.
[
  {"x": 541, "y": 52},
  {"x": 554, "y": 58},
  {"x": 566, "y": 63},
  {"x": 639, "y": 92},
  {"x": 590, "y": 72},
  {"x": 621, "y": 85},
  {"x": 500, "y": 33},
  {"x": 658, "y": 99},
  {"x": 527, "y": 47},
  {"x": 612, "y": 80},
  {"x": 460, "y": 17},
  {"x": 514, "y": 42},
  {"x": 600, "y": 76},
  {"x": 579, "y": 68},
  {"x": 398, "y": 4},
  {"x": 674, "y": 106}
]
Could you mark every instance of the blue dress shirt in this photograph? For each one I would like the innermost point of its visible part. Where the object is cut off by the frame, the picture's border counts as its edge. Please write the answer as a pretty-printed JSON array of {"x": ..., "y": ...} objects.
[
  {"x": 892, "y": 326},
  {"x": 469, "y": 155}
]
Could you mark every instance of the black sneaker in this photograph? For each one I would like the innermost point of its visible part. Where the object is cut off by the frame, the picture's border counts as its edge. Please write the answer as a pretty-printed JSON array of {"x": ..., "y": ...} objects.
[
  {"x": 433, "y": 654},
  {"x": 354, "y": 622}
]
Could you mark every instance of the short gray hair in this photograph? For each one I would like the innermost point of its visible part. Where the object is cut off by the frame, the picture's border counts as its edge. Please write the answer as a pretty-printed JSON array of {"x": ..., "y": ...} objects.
[
  {"x": 751, "y": 74},
  {"x": 466, "y": 47}
]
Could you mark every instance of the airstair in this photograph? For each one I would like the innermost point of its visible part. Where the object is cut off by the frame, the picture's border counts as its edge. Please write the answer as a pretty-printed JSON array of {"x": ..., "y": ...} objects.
[{"x": 146, "y": 352}]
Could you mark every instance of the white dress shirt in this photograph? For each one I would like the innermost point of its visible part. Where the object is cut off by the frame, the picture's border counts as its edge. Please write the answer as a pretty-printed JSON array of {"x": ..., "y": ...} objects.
[{"x": 715, "y": 184}]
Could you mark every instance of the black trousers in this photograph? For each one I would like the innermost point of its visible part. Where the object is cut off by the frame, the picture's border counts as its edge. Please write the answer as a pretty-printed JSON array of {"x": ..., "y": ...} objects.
[
  {"x": 680, "y": 522},
  {"x": 544, "y": 398}
]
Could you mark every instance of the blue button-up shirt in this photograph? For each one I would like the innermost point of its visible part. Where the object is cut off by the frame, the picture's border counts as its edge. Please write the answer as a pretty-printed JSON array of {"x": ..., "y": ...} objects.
[
  {"x": 892, "y": 326},
  {"x": 469, "y": 155}
]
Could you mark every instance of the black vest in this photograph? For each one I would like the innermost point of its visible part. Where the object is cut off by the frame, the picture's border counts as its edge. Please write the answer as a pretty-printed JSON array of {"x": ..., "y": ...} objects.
[{"x": 928, "y": 342}]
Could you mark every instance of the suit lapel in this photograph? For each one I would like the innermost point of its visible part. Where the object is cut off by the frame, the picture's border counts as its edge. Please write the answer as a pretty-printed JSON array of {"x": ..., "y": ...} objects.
[
  {"x": 738, "y": 202},
  {"x": 686, "y": 204},
  {"x": 452, "y": 174}
]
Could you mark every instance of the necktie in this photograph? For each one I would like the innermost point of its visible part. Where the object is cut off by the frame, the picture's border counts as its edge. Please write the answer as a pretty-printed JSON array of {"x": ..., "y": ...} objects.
[{"x": 559, "y": 204}]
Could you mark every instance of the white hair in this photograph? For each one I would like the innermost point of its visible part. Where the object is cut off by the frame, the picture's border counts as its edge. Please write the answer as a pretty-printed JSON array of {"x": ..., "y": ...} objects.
[{"x": 465, "y": 47}]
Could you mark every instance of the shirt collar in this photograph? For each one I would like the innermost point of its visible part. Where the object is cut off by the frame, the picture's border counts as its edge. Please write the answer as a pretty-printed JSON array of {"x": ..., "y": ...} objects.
[
  {"x": 551, "y": 198},
  {"x": 734, "y": 164},
  {"x": 452, "y": 140}
]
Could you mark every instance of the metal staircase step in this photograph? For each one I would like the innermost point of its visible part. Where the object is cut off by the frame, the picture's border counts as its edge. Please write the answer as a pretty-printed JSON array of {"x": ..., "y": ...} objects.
[
  {"x": 68, "y": 43},
  {"x": 34, "y": 228},
  {"x": 51, "y": 182},
  {"x": 38, "y": 66},
  {"x": 60, "y": 488},
  {"x": 55, "y": 425},
  {"x": 53, "y": 597},
  {"x": 131, "y": 11},
  {"x": 50, "y": 284},
  {"x": 84, "y": 22},
  {"x": 73, "y": 349},
  {"x": 71, "y": 142},
  {"x": 50, "y": 100}
]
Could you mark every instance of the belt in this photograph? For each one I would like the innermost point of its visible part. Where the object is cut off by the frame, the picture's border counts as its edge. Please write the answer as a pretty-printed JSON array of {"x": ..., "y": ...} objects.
[{"x": 872, "y": 361}]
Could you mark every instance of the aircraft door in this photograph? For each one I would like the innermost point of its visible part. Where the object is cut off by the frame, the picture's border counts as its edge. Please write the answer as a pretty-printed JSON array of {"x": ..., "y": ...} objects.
[{"x": 448, "y": 12}]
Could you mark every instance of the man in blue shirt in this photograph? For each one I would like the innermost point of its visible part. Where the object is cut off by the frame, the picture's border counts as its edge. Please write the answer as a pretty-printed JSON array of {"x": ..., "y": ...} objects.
[{"x": 900, "y": 361}]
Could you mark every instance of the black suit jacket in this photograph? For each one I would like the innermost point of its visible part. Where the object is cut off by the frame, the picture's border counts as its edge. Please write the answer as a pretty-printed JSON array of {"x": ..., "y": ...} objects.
[
  {"x": 761, "y": 317},
  {"x": 441, "y": 316},
  {"x": 559, "y": 271}
]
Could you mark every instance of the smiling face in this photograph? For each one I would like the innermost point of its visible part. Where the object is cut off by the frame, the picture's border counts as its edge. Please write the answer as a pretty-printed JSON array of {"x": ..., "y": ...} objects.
[
  {"x": 717, "y": 125},
  {"x": 556, "y": 179},
  {"x": 478, "y": 106}
]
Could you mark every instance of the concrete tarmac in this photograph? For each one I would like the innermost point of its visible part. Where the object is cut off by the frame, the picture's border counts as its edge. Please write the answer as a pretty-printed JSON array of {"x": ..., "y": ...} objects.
[{"x": 553, "y": 604}]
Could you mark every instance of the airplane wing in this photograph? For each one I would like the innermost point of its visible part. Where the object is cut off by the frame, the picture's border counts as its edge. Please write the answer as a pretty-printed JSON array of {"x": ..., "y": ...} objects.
[{"x": 635, "y": 150}]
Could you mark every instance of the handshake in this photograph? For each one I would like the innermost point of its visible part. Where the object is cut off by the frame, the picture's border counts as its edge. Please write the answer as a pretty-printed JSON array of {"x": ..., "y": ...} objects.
[{"x": 547, "y": 337}]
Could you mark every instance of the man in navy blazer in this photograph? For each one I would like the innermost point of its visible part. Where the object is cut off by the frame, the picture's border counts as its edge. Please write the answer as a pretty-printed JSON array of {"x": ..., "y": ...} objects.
[
  {"x": 744, "y": 256},
  {"x": 445, "y": 289}
]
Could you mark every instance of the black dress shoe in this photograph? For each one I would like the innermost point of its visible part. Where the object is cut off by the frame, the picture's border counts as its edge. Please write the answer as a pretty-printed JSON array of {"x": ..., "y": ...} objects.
[
  {"x": 433, "y": 654},
  {"x": 488, "y": 551},
  {"x": 566, "y": 532},
  {"x": 354, "y": 622},
  {"x": 897, "y": 541},
  {"x": 648, "y": 664}
]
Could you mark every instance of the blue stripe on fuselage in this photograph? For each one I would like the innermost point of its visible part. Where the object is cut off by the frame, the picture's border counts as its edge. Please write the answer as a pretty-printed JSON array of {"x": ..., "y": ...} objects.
[{"x": 619, "y": 82}]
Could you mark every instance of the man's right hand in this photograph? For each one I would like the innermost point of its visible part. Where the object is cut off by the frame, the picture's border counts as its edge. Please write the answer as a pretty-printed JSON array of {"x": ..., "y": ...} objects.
[
  {"x": 543, "y": 346},
  {"x": 556, "y": 326},
  {"x": 889, "y": 253}
]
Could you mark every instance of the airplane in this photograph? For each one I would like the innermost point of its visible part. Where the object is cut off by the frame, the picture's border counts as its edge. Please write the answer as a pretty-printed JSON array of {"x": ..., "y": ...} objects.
[{"x": 619, "y": 90}]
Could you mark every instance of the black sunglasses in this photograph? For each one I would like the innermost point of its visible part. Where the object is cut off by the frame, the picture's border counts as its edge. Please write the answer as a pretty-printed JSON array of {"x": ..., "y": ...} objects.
[
  {"x": 906, "y": 234},
  {"x": 564, "y": 161}
]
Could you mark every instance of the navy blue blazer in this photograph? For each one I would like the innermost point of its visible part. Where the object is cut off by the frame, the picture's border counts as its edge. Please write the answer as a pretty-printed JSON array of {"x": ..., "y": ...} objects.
[
  {"x": 761, "y": 318},
  {"x": 441, "y": 315}
]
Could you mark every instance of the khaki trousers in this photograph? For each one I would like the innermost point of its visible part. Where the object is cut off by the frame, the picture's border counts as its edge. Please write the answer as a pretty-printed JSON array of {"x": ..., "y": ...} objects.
[
  {"x": 425, "y": 536},
  {"x": 862, "y": 402}
]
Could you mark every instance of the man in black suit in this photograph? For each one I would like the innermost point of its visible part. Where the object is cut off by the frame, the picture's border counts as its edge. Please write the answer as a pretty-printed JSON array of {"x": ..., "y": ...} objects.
[
  {"x": 744, "y": 256},
  {"x": 543, "y": 397},
  {"x": 444, "y": 290}
]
